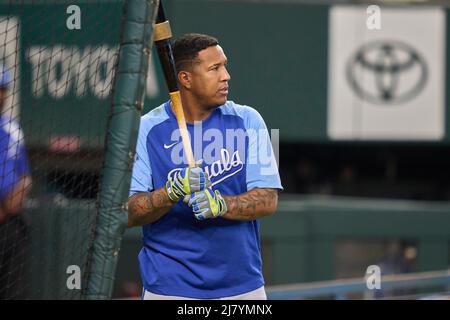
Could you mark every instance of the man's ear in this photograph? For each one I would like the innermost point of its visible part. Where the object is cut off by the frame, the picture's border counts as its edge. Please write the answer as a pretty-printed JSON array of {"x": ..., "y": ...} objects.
[{"x": 184, "y": 78}]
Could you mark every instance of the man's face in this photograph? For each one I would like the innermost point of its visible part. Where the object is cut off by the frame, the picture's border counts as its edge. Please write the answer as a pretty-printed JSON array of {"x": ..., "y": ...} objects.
[{"x": 209, "y": 77}]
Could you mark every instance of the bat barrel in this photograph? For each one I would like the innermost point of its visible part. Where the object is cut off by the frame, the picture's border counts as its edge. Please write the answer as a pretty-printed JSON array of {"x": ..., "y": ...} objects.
[
  {"x": 167, "y": 62},
  {"x": 161, "y": 16},
  {"x": 162, "y": 36}
]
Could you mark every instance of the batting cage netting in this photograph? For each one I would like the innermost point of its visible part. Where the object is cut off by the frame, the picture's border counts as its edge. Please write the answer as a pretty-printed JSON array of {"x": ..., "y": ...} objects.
[{"x": 63, "y": 177}]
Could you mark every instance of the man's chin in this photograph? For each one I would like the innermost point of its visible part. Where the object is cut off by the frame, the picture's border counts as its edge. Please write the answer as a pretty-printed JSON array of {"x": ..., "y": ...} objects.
[
  {"x": 217, "y": 104},
  {"x": 221, "y": 102}
]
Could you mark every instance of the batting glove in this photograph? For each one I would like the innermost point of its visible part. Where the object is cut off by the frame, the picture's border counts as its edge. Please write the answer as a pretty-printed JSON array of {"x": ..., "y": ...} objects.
[
  {"x": 186, "y": 181},
  {"x": 206, "y": 204}
]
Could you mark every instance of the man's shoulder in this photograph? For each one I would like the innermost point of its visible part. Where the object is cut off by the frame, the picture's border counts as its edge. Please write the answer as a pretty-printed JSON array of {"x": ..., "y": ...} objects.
[
  {"x": 11, "y": 128},
  {"x": 244, "y": 111},
  {"x": 154, "y": 117},
  {"x": 248, "y": 114},
  {"x": 156, "y": 114}
]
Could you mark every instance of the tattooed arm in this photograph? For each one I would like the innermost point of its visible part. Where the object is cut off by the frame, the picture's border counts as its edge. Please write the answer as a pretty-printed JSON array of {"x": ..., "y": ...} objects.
[
  {"x": 251, "y": 205},
  {"x": 147, "y": 207}
]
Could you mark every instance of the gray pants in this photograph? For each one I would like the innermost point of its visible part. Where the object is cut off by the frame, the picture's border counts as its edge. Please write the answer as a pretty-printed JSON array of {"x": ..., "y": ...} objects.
[{"x": 258, "y": 294}]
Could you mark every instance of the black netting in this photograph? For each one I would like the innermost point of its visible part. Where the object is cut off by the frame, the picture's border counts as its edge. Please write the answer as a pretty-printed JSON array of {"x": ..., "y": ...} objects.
[{"x": 55, "y": 94}]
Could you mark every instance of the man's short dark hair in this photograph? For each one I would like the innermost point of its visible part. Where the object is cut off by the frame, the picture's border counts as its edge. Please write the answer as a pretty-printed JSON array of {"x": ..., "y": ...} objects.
[{"x": 186, "y": 48}]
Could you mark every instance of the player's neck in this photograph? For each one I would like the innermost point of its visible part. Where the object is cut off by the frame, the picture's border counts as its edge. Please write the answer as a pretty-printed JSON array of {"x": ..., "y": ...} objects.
[{"x": 193, "y": 110}]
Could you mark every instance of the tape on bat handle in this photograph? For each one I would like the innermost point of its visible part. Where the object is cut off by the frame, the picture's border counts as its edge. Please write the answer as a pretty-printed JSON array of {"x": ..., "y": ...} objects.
[{"x": 162, "y": 31}]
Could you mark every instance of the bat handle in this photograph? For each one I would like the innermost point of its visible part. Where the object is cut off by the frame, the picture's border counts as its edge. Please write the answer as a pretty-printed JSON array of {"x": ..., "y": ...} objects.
[{"x": 178, "y": 109}]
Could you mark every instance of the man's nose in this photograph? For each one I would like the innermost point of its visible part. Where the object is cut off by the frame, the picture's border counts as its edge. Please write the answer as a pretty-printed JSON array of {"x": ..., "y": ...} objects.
[{"x": 226, "y": 75}]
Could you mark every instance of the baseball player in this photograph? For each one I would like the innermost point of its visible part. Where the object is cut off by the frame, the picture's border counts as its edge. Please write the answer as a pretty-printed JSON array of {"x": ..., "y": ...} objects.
[
  {"x": 15, "y": 183},
  {"x": 200, "y": 229}
]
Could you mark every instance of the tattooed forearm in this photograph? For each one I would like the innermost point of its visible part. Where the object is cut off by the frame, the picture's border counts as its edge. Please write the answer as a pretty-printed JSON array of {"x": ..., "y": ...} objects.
[
  {"x": 251, "y": 205},
  {"x": 147, "y": 207}
]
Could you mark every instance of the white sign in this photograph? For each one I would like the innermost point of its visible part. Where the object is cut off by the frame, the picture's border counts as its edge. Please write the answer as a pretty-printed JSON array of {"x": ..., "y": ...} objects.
[
  {"x": 386, "y": 84},
  {"x": 87, "y": 69}
]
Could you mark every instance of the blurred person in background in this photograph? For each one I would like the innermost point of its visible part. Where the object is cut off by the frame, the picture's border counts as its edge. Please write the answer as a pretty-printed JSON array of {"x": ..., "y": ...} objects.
[{"x": 15, "y": 183}]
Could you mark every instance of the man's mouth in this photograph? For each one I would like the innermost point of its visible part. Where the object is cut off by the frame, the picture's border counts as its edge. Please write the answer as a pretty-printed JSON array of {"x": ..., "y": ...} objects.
[{"x": 224, "y": 90}]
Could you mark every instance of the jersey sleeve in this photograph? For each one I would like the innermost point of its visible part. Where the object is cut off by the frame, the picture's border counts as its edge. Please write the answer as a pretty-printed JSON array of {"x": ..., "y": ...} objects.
[
  {"x": 16, "y": 149},
  {"x": 262, "y": 168},
  {"x": 9, "y": 177},
  {"x": 14, "y": 163},
  {"x": 141, "y": 178}
]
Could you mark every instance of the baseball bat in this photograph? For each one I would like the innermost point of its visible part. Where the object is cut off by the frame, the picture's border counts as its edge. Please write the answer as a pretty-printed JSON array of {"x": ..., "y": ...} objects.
[{"x": 162, "y": 35}]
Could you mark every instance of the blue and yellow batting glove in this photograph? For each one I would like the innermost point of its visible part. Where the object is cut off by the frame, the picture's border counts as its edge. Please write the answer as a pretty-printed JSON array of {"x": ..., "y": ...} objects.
[
  {"x": 185, "y": 182},
  {"x": 206, "y": 204}
]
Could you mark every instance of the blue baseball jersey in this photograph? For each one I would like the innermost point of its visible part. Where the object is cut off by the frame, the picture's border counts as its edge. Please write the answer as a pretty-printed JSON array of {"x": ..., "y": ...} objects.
[
  {"x": 13, "y": 160},
  {"x": 214, "y": 258}
]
